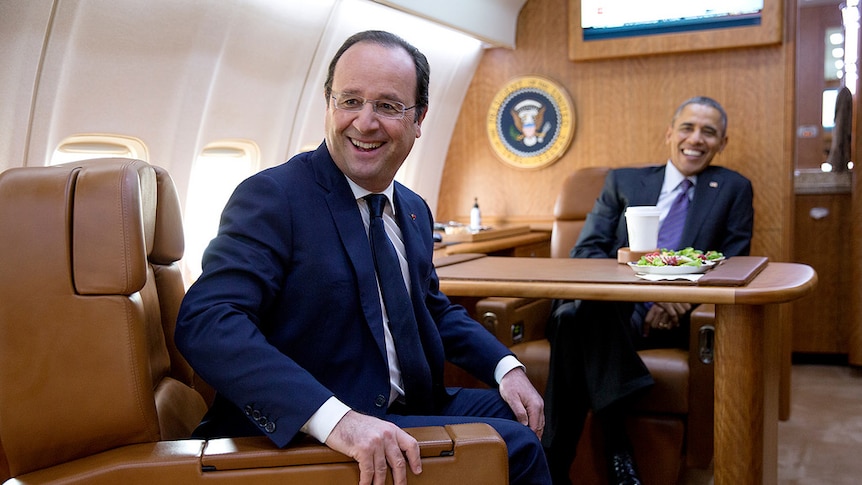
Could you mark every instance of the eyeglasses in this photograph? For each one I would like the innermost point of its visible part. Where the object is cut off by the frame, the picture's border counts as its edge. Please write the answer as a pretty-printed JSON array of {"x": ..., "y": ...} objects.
[{"x": 392, "y": 110}]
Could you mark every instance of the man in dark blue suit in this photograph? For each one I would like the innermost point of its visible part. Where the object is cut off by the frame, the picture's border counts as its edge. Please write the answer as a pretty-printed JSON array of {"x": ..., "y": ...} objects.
[
  {"x": 594, "y": 362},
  {"x": 287, "y": 321}
]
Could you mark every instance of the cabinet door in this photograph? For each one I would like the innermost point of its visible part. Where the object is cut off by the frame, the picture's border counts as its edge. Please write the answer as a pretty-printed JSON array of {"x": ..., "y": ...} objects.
[{"x": 821, "y": 320}]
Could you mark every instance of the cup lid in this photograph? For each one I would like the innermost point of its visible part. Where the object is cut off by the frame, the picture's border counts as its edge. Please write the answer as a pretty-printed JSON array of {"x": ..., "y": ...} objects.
[{"x": 646, "y": 210}]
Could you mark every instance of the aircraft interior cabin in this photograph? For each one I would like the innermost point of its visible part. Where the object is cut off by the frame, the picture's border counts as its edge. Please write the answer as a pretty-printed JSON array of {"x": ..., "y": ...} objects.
[{"x": 141, "y": 140}]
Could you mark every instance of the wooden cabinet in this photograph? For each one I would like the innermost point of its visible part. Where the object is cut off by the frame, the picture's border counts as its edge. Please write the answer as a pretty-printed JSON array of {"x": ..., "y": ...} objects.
[{"x": 822, "y": 239}]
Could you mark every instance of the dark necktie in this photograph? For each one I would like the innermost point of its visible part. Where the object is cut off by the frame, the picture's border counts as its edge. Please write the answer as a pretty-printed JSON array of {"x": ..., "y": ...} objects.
[
  {"x": 670, "y": 232},
  {"x": 415, "y": 373}
]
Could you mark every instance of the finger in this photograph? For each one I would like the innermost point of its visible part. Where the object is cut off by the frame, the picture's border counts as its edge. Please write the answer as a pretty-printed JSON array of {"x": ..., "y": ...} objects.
[
  {"x": 380, "y": 467},
  {"x": 676, "y": 310},
  {"x": 397, "y": 463},
  {"x": 366, "y": 470},
  {"x": 411, "y": 450},
  {"x": 537, "y": 420},
  {"x": 520, "y": 411}
]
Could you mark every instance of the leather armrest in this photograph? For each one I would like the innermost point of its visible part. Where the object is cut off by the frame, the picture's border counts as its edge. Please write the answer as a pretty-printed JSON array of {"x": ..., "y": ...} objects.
[
  {"x": 449, "y": 454},
  {"x": 259, "y": 452},
  {"x": 160, "y": 462}
]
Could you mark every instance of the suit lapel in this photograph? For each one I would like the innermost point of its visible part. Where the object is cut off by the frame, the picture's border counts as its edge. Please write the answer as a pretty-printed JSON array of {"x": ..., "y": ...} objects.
[
  {"x": 348, "y": 221},
  {"x": 709, "y": 185},
  {"x": 405, "y": 215},
  {"x": 651, "y": 185},
  {"x": 411, "y": 215}
]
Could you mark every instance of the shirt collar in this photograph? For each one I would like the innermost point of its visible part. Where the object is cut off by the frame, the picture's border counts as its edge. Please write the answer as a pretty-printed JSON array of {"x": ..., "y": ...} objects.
[
  {"x": 673, "y": 177},
  {"x": 359, "y": 192}
]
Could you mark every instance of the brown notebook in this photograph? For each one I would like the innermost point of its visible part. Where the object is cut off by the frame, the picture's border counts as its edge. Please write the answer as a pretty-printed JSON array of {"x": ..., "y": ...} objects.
[{"x": 735, "y": 271}]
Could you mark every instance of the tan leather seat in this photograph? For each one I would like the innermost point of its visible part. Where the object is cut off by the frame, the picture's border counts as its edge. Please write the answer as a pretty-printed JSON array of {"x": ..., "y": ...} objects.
[
  {"x": 675, "y": 418},
  {"x": 92, "y": 389}
]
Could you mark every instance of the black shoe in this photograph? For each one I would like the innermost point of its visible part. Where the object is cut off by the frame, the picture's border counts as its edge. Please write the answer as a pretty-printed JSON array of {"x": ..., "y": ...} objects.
[{"x": 622, "y": 470}]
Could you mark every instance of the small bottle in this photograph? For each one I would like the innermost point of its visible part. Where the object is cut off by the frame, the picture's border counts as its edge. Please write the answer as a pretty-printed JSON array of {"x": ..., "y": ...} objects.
[{"x": 475, "y": 216}]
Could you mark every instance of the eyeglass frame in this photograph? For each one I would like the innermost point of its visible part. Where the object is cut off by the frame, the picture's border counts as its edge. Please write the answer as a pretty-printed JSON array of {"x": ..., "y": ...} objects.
[{"x": 373, "y": 103}]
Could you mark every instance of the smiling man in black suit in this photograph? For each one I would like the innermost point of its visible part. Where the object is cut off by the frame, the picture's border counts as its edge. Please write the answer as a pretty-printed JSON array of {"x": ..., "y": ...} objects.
[{"x": 594, "y": 360}]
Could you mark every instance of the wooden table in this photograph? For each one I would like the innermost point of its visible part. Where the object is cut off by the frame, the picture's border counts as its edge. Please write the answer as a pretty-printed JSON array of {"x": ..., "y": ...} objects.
[
  {"x": 747, "y": 337},
  {"x": 528, "y": 243}
]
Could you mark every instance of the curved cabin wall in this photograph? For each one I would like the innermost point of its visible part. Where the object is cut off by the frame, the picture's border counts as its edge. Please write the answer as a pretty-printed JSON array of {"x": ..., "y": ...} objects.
[
  {"x": 622, "y": 109},
  {"x": 179, "y": 75}
]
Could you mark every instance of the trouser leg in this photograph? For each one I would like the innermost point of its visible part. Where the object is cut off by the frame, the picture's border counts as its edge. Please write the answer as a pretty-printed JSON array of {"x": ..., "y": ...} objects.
[
  {"x": 593, "y": 364},
  {"x": 566, "y": 402}
]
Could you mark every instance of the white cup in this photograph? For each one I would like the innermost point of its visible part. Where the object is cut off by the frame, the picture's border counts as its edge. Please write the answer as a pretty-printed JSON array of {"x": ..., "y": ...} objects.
[{"x": 642, "y": 224}]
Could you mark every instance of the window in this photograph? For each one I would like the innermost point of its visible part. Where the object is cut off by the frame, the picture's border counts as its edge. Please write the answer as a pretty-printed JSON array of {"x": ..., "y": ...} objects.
[
  {"x": 216, "y": 172},
  {"x": 83, "y": 147}
]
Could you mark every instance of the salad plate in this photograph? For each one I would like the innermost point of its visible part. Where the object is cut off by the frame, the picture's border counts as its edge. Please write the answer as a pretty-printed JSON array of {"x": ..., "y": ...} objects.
[
  {"x": 682, "y": 262},
  {"x": 672, "y": 270}
]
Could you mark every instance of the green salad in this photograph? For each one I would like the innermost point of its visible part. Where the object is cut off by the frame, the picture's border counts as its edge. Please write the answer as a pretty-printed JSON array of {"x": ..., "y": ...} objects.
[{"x": 683, "y": 257}]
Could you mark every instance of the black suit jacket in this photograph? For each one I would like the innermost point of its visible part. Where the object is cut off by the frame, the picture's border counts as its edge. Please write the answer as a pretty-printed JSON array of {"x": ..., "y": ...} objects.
[{"x": 720, "y": 217}]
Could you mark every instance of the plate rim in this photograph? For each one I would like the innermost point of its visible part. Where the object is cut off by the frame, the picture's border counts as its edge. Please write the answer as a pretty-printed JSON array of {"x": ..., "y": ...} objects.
[{"x": 707, "y": 265}]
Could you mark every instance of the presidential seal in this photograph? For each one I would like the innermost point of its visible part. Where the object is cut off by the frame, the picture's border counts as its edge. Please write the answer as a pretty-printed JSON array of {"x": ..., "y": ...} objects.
[{"x": 531, "y": 122}]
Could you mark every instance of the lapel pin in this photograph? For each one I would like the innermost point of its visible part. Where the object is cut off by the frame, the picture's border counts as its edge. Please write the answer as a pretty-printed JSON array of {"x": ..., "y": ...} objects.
[
  {"x": 713, "y": 184},
  {"x": 413, "y": 216}
]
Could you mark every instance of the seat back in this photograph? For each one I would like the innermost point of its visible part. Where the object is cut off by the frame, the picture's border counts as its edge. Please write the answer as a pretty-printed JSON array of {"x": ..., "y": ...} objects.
[
  {"x": 89, "y": 289},
  {"x": 576, "y": 199}
]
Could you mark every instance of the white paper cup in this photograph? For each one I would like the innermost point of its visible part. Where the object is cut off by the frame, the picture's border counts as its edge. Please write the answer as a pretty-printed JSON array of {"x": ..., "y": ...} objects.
[{"x": 642, "y": 224}]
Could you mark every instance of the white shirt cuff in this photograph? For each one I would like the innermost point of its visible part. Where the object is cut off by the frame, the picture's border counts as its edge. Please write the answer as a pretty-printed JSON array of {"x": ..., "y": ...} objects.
[
  {"x": 506, "y": 364},
  {"x": 323, "y": 421}
]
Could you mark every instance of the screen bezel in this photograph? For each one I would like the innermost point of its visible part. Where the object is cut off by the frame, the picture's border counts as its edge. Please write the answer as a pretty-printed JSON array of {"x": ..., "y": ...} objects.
[{"x": 768, "y": 32}]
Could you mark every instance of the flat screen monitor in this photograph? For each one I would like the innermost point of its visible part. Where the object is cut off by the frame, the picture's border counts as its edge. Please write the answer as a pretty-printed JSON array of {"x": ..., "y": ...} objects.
[
  {"x": 611, "y": 19},
  {"x": 619, "y": 28}
]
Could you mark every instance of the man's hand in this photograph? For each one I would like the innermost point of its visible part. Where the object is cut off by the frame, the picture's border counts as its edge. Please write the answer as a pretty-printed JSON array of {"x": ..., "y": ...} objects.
[
  {"x": 664, "y": 316},
  {"x": 377, "y": 445},
  {"x": 524, "y": 399}
]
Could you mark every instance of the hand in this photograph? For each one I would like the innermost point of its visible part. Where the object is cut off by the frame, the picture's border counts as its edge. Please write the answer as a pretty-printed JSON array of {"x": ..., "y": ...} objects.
[
  {"x": 665, "y": 316},
  {"x": 376, "y": 445},
  {"x": 524, "y": 399}
]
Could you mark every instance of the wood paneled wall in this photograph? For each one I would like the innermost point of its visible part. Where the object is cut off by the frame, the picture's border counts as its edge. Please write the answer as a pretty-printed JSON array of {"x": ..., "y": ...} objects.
[{"x": 622, "y": 110}]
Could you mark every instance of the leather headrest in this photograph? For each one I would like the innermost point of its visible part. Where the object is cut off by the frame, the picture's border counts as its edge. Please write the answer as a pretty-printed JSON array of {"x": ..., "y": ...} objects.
[
  {"x": 578, "y": 193},
  {"x": 113, "y": 225},
  {"x": 169, "y": 242}
]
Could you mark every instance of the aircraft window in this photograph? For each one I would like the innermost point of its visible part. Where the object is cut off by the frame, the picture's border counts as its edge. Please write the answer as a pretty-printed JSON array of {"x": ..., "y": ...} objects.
[
  {"x": 219, "y": 168},
  {"x": 83, "y": 147}
]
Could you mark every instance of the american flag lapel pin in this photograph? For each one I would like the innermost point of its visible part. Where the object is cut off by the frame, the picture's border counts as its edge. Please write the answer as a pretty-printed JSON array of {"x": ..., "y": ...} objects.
[
  {"x": 413, "y": 216},
  {"x": 713, "y": 184}
]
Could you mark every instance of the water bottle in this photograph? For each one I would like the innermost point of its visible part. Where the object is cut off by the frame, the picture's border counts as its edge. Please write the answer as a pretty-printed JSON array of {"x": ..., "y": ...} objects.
[{"x": 475, "y": 216}]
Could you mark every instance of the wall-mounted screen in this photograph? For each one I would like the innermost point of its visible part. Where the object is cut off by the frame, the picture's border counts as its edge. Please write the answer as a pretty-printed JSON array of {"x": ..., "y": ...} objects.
[
  {"x": 620, "y": 28},
  {"x": 611, "y": 19}
]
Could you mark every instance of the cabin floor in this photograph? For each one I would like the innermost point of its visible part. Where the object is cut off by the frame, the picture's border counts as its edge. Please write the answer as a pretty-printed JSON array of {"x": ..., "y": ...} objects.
[{"x": 820, "y": 444}]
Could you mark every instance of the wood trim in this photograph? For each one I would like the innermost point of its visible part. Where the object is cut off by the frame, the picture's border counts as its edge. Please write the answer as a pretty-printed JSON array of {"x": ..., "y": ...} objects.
[{"x": 767, "y": 33}]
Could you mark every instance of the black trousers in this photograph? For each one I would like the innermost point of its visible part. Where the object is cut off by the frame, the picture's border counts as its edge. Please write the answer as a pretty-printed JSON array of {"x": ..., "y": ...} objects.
[{"x": 593, "y": 365}]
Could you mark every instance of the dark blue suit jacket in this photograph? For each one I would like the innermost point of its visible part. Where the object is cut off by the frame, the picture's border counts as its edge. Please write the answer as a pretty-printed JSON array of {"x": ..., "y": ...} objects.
[
  {"x": 720, "y": 217},
  {"x": 287, "y": 312}
]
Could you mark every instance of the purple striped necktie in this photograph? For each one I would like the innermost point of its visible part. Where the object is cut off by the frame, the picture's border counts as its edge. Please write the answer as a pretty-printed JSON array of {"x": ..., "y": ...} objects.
[{"x": 670, "y": 232}]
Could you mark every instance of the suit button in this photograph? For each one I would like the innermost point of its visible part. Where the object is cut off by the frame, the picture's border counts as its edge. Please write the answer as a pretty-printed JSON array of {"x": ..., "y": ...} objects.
[
  {"x": 262, "y": 421},
  {"x": 380, "y": 401},
  {"x": 248, "y": 410},
  {"x": 270, "y": 427},
  {"x": 255, "y": 415}
]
